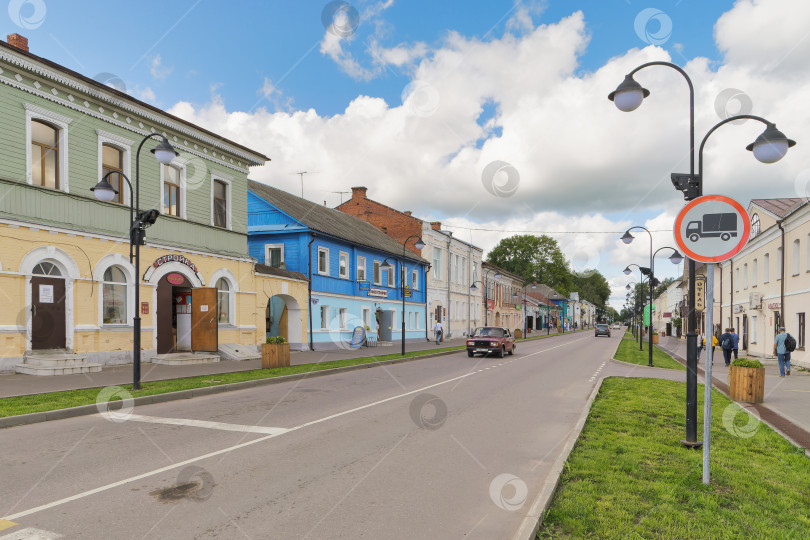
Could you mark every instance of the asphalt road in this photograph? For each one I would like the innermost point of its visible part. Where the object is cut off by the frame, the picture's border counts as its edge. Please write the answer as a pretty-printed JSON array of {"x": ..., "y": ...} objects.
[{"x": 448, "y": 447}]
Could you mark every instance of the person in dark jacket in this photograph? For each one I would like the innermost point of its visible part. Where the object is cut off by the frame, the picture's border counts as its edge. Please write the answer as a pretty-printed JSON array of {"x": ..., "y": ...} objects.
[
  {"x": 727, "y": 344},
  {"x": 735, "y": 337}
]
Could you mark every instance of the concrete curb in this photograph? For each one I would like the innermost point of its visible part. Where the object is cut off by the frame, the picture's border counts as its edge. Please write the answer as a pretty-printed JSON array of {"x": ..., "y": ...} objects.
[
  {"x": 534, "y": 517},
  {"x": 83, "y": 410}
]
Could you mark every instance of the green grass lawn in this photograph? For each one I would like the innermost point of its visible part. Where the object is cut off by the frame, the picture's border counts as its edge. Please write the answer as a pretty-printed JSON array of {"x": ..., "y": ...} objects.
[
  {"x": 628, "y": 352},
  {"x": 629, "y": 477},
  {"x": 12, "y": 406}
]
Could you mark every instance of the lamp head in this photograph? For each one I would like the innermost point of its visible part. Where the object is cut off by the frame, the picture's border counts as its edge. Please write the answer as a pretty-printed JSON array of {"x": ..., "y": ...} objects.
[
  {"x": 627, "y": 286},
  {"x": 771, "y": 145},
  {"x": 676, "y": 257},
  {"x": 104, "y": 191},
  {"x": 627, "y": 270},
  {"x": 164, "y": 152},
  {"x": 628, "y": 95},
  {"x": 498, "y": 275},
  {"x": 419, "y": 244},
  {"x": 385, "y": 265},
  {"x": 627, "y": 238},
  {"x": 473, "y": 287}
]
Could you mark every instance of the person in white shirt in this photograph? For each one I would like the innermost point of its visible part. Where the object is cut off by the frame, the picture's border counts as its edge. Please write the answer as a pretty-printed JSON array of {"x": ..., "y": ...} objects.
[{"x": 439, "y": 332}]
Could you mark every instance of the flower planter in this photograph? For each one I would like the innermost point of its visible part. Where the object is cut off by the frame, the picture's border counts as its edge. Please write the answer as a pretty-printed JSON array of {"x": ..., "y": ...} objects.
[
  {"x": 518, "y": 334},
  {"x": 275, "y": 355},
  {"x": 746, "y": 384},
  {"x": 655, "y": 339}
]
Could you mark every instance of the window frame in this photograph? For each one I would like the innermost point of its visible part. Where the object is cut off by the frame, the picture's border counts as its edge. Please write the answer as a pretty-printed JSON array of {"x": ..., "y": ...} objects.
[
  {"x": 343, "y": 318},
  {"x": 181, "y": 188},
  {"x": 229, "y": 298},
  {"x": 123, "y": 264},
  {"x": 754, "y": 273},
  {"x": 377, "y": 273},
  {"x": 123, "y": 144},
  {"x": 324, "y": 317},
  {"x": 415, "y": 279},
  {"x": 60, "y": 122},
  {"x": 325, "y": 250},
  {"x": 766, "y": 266},
  {"x": 227, "y": 181},
  {"x": 361, "y": 268},
  {"x": 437, "y": 262},
  {"x": 341, "y": 256},
  {"x": 796, "y": 257},
  {"x": 392, "y": 276},
  {"x": 126, "y": 286},
  {"x": 268, "y": 259}
]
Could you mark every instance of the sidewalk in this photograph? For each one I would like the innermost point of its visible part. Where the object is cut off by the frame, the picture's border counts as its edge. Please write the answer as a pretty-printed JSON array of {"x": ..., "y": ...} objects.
[
  {"x": 787, "y": 397},
  {"x": 13, "y": 384}
]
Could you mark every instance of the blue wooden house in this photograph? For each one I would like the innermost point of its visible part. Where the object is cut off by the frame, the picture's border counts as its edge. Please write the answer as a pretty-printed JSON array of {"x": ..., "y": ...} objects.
[{"x": 344, "y": 258}]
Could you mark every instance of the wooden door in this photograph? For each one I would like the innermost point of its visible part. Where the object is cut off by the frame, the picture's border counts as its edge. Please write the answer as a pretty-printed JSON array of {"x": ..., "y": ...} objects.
[
  {"x": 47, "y": 313},
  {"x": 204, "y": 323}
]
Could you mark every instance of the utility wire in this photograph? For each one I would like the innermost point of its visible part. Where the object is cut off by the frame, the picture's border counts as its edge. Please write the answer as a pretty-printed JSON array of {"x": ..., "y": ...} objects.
[{"x": 545, "y": 232}]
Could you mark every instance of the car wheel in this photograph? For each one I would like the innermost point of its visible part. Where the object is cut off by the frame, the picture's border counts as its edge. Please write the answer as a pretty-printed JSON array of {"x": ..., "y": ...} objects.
[
  {"x": 470, "y": 354},
  {"x": 694, "y": 237},
  {"x": 500, "y": 352}
]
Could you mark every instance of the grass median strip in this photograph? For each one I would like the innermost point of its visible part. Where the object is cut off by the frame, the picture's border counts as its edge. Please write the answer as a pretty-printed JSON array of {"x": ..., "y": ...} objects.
[
  {"x": 12, "y": 406},
  {"x": 629, "y": 477},
  {"x": 628, "y": 352}
]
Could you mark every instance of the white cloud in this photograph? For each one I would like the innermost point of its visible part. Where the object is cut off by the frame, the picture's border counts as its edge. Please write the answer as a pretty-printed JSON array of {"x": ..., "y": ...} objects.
[
  {"x": 581, "y": 162},
  {"x": 145, "y": 94},
  {"x": 158, "y": 70}
]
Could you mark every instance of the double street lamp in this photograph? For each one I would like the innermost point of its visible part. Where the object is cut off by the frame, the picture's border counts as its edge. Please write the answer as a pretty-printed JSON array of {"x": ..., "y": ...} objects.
[
  {"x": 486, "y": 291},
  {"x": 139, "y": 221},
  {"x": 769, "y": 147},
  {"x": 419, "y": 244}
]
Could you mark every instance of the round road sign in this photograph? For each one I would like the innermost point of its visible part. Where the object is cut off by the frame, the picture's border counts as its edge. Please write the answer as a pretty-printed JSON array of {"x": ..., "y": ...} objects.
[{"x": 712, "y": 228}]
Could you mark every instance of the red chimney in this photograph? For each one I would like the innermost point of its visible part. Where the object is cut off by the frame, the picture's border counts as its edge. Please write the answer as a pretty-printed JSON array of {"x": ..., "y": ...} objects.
[
  {"x": 16, "y": 40},
  {"x": 407, "y": 212},
  {"x": 358, "y": 193},
  {"x": 436, "y": 225}
]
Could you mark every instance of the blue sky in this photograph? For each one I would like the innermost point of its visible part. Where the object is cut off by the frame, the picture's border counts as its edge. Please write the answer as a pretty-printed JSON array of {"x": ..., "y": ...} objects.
[
  {"x": 234, "y": 46},
  {"x": 420, "y": 99}
]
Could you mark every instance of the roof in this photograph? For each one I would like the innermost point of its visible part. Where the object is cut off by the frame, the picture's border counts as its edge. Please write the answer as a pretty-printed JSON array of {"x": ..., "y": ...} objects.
[
  {"x": 123, "y": 95},
  {"x": 273, "y": 271},
  {"x": 779, "y": 207},
  {"x": 503, "y": 271},
  {"x": 549, "y": 293},
  {"x": 331, "y": 222}
]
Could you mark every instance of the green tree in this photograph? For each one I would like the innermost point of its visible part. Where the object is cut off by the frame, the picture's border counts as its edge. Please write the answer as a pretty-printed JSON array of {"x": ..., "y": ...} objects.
[
  {"x": 534, "y": 258},
  {"x": 592, "y": 286}
]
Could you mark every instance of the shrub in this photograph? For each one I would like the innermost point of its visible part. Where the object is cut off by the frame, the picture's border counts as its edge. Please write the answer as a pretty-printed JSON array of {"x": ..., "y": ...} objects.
[
  {"x": 276, "y": 340},
  {"x": 745, "y": 362}
]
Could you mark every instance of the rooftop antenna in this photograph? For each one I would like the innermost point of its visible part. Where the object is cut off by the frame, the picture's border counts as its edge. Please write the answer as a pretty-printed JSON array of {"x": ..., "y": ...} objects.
[
  {"x": 341, "y": 193},
  {"x": 301, "y": 175}
]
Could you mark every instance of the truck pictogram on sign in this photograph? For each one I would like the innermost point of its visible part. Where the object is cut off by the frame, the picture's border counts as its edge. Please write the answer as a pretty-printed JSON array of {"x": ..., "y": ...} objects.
[{"x": 712, "y": 226}]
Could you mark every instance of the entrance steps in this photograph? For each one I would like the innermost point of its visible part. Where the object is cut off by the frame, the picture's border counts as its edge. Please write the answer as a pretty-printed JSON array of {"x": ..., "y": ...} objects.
[
  {"x": 385, "y": 343},
  {"x": 239, "y": 353},
  {"x": 185, "y": 358},
  {"x": 55, "y": 362}
]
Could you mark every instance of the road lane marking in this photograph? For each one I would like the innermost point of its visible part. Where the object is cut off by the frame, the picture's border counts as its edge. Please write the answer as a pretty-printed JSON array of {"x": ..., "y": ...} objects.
[
  {"x": 206, "y": 424},
  {"x": 222, "y": 451},
  {"x": 29, "y": 533},
  {"x": 6, "y": 524}
]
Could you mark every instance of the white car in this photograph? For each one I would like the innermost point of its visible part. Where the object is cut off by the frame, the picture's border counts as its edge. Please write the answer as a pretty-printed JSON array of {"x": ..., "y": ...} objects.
[{"x": 617, "y": 326}]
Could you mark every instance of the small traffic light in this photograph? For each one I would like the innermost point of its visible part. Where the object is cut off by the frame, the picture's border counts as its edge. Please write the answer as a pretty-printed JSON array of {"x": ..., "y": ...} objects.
[{"x": 688, "y": 184}]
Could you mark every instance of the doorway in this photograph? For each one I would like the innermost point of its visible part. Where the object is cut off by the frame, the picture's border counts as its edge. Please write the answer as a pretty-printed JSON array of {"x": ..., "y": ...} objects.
[
  {"x": 48, "y": 311},
  {"x": 745, "y": 332},
  {"x": 186, "y": 318}
]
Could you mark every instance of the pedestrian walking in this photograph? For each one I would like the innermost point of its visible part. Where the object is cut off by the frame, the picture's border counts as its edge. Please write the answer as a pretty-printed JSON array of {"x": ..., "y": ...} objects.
[
  {"x": 783, "y": 344},
  {"x": 727, "y": 344},
  {"x": 439, "y": 332},
  {"x": 701, "y": 344},
  {"x": 735, "y": 338}
]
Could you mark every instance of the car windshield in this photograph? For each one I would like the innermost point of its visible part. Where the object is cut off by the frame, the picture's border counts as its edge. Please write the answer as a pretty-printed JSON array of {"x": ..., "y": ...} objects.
[
  {"x": 488, "y": 332},
  {"x": 601, "y": 326}
]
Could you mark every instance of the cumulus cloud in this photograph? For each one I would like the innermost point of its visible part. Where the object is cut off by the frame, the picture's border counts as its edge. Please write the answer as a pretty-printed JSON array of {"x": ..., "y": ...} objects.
[
  {"x": 580, "y": 162},
  {"x": 158, "y": 70}
]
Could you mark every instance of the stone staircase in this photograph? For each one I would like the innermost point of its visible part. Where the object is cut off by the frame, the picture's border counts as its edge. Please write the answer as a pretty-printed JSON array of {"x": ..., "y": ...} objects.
[
  {"x": 55, "y": 362},
  {"x": 184, "y": 358}
]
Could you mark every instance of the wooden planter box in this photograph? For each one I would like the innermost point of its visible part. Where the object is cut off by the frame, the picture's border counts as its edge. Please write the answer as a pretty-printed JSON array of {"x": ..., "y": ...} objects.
[
  {"x": 275, "y": 355},
  {"x": 518, "y": 334},
  {"x": 746, "y": 384},
  {"x": 655, "y": 339}
]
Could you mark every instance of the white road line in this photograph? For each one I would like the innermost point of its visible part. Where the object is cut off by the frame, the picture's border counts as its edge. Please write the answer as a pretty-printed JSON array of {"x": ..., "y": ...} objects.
[
  {"x": 243, "y": 445},
  {"x": 207, "y": 425}
]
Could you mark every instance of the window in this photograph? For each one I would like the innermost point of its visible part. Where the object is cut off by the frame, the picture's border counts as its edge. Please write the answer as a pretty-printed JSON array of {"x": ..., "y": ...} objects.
[
  {"x": 766, "y": 268},
  {"x": 365, "y": 315},
  {"x": 46, "y": 269},
  {"x": 114, "y": 296},
  {"x": 796, "y": 251},
  {"x": 754, "y": 273},
  {"x": 344, "y": 317},
  {"x": 223, "y": 301},
  {"x": 778, "y": 264},
  {"x": 274, "y": 255},
  {"x": 377, "y": 277},
  {"x": 323, "y": 261},
  {"x": 391, "y": 275},
  {"x": 343, "y": 266},
  {"x": 44, "y": 154},
  {"x": 437, "y": 262},
  {"x": 745, "y": 276},
  {"x": 463, "y": 277},
  {"x": 753, "y": 329},
  {"x": 220, "y": 204},
  {"x": 112, "y": 161},
  {"x": 361, "y": 268},
  {"x": 415, "y": 280},
  {"x": 171, "y": 191},
  {"x": 324, "y": 317}
]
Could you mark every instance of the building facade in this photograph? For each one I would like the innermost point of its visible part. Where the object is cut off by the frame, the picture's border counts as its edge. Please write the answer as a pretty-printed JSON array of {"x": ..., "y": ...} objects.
[
  {"x": 454, "y": 264},
  {"x": 67, "y": 278},
  {"x": 503, "y": 299},
  {"x": 344, "y": 259}
]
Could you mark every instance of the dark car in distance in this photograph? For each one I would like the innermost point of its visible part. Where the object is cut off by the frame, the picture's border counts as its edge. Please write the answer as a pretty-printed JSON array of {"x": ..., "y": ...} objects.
[
  {"x": 601, "y": 330},
  {"x": 491, "y": 339}
]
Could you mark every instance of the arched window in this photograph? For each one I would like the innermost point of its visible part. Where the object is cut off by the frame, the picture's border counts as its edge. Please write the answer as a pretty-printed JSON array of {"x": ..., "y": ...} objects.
[
  {"x": 114, "y": 296},
  {"x": 46, "y": 269},
  {"x": 44, "y": 154},
  {"x": 223, "y": 301}
]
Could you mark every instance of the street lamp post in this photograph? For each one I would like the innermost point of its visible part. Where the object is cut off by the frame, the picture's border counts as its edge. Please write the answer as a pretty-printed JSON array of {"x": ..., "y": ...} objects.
[
  {"x": 139, "y": 221},
  {"x": 419, "y": 244},
  {"x": 769, "y": 147},
  {"x": 534, "y": 286},
  {"x": 486, "y": 292}
]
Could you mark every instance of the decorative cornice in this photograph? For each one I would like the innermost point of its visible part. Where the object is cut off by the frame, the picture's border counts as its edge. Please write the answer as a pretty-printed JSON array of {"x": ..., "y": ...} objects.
[
  {"x": 117, "y": 102},
  {"x": 114, "y": 137},
  {"x": 46, "y": 112}
]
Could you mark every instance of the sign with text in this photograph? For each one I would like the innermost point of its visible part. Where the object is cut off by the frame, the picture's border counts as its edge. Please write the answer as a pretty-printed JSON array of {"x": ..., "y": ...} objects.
[
  {"x": 712, "y": 228},
  {"x": 377, "y": 293},
  {"x": 357, "y": 337},
  {"x": 160, "y": 261},
  {"x": 364, "y": 285},
  {"x": 700, "y": 294}
]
